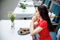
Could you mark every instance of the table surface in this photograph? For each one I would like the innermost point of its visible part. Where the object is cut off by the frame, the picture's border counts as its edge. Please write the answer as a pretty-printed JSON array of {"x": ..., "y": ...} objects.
[
  {"x": 8, "y": 34},
  {"x": 29, "y": 8},
  {"x": 25, "y": 13}
]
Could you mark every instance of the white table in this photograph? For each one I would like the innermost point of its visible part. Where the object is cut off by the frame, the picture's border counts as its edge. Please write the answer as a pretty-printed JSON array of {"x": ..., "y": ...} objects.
[
  {"x": 8, "y": 34},
  {"x": 27, "y": 13}
]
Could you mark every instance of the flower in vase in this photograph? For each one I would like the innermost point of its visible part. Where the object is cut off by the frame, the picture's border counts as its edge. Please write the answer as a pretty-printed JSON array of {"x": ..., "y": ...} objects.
[{"x": 11, "y": 16}]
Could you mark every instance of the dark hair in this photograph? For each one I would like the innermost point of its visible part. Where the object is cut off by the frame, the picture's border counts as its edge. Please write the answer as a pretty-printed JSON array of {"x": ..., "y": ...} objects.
[{"x": 44, "y": 14}]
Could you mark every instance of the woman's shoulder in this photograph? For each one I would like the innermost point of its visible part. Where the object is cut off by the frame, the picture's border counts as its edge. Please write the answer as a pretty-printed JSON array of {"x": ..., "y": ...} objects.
[
  {"x": 44, "y": 21},
  {"x": 43, "y": 24}
]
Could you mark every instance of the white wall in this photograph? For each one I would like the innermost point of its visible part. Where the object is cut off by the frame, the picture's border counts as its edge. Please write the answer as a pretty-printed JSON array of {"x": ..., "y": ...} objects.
[
  {"x": 0, "y": 9},
  {"x": 6, "y": 6}
]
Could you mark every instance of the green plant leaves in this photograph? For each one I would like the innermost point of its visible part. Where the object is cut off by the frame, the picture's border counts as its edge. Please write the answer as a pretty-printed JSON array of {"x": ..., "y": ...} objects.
[
  {"x": 11, "y": 16},
  {"x": 22, "y": 6}
]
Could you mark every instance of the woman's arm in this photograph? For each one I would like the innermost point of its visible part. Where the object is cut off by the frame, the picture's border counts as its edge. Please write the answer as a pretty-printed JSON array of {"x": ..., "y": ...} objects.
[
  {"x": 32, "y": 23},
  {"x": 38, "y": 29},
  {"x": 32, "y": 30},
  {"x": 31, "y": 27}
]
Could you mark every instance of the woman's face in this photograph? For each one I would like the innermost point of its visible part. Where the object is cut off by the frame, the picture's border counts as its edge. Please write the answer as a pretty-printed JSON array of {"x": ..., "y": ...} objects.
[{"x": 37, "y": 13}]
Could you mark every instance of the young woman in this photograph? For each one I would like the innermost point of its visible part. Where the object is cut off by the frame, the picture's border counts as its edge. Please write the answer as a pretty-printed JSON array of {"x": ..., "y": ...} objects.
[{"x": 41, "y": 23}]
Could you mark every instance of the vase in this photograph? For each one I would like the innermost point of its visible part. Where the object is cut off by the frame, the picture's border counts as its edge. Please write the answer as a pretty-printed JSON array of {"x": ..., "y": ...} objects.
[{"x": 12, "y": 25}]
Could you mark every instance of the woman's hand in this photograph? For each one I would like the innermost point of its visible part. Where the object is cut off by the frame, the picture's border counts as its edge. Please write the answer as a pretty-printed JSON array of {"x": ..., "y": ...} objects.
[{"x": 34, "y": 18}]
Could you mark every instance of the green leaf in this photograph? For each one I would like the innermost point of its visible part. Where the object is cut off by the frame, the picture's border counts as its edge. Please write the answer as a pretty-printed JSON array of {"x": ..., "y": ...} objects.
[
  {"x": 22, "y": 6},
  {"x": 11, "y": 16}
]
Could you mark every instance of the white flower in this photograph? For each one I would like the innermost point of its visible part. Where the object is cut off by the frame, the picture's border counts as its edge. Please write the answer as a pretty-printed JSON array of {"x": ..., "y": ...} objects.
[{"x": 11, "y": 16}]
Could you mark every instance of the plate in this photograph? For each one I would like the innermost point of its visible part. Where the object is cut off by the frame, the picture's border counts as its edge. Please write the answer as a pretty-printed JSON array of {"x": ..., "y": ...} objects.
[{"x": 23, "y": 31}]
